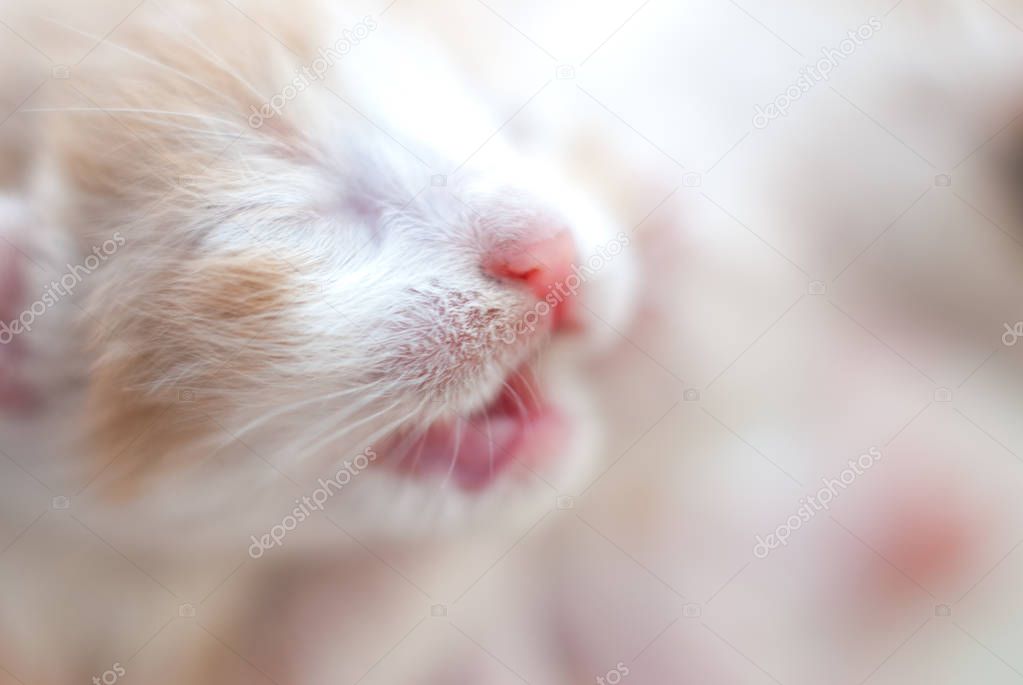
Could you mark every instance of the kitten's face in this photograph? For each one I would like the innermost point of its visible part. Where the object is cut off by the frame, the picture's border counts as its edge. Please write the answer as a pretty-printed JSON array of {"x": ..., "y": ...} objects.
[{"x": 339, "y": 274}]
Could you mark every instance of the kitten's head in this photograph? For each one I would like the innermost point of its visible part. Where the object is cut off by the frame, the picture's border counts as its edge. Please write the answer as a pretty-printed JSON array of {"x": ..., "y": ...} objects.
[{"x": 320, "y": 262}]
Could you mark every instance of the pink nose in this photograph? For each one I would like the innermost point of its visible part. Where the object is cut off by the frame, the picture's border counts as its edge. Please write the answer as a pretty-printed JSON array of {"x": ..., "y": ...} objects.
[{"x": 539, "y": 264}]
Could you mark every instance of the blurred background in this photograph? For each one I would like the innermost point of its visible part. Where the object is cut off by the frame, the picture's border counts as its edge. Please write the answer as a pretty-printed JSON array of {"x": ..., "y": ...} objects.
[{"x": 814, "y": 471}]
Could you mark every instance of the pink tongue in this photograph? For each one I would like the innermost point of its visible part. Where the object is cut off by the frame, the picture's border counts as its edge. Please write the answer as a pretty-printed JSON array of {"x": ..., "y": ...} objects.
[{"x": 480, "y": 453}]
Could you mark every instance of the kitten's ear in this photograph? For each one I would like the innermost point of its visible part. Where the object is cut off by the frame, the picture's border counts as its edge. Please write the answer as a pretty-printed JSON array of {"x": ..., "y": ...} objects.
[{"x": 185, "y": 348}]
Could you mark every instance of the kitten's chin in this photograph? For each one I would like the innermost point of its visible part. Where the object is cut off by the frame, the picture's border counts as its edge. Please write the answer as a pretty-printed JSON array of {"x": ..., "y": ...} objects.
[{"x": 547, "y": 458}]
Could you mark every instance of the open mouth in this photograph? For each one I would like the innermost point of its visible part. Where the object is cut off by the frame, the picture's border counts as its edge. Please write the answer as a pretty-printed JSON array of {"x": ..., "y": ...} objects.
[{"x": 518, "y": 426}]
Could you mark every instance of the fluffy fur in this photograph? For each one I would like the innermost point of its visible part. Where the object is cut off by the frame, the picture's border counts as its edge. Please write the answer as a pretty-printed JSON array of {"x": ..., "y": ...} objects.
[
  {"x": 304, "y": 286},
  {"x": 293, "y": 290},
  {"x": 282, "y": 285}
]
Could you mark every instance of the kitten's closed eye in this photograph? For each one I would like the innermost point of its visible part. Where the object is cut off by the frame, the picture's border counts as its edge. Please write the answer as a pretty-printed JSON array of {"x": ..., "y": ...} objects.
[{"x": 308, "y": 288}]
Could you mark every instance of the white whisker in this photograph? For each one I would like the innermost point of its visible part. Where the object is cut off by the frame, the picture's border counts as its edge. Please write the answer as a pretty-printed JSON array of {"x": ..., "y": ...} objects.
[
  {"x": 419, "y": 452},
  {"x": 521, "y": 405},
  {"x": 312, "y": 448},
  {"x": 454, "y": 456},
  {"x": 529, "y": 387},
  {"x": 137, "y": 55},
  {"x": 296, "y": 405},
  {"x": 130, "y": 110},
  {"x": 212, "y": 56},
  {"x": 490, "y": 444}
]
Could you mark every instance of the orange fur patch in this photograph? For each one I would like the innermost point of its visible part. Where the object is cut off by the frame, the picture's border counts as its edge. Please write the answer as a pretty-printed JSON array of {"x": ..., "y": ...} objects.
[{"x": 180, "y": 358}]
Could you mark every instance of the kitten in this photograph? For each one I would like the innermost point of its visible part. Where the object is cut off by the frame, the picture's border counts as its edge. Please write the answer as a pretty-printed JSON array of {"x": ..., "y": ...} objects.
[
  {"x": 319, "y": 264},
  {"x": 312, "y": 273},
  {"x": 666, "y": 509}
]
